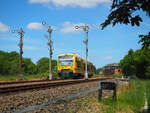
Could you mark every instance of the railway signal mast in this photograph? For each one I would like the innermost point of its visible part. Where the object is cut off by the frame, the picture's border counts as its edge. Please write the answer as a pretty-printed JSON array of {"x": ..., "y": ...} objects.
[
  {"x": 20, "y": 32},
  {"x": 86, "y": 29},
  {"x": 50, "y": 43}
]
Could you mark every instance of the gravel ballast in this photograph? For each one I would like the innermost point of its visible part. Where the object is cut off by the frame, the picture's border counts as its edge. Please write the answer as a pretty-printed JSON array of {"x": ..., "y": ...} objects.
[
  {"x": 60, "y": 99},
  {"x": 15, "y": 102}
]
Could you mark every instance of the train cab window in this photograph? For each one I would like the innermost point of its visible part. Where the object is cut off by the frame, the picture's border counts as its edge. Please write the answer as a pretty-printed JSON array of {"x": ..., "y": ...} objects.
[
  {"x": 66, "y": 60},
  {"x": 66, "y": 63}
]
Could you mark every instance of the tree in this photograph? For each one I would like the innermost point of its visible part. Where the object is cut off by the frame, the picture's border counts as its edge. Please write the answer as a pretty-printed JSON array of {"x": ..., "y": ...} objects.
[
  {"x": 145, "y": 40},
  {"x": 54, "y": 65},
  {"x": 13, "y": 59},
  {"x": 2, "y": 62},
  {"x": 127, "y": 64},
  {"x": 94, "y": 69},
  {"x": 43, "y": 65},
  {"x": 136, "y": 63},
  {"x": 9, "y": 63},
  {"x": 28, "y": 67},
  {"x": 14, "y": 67},
  {"x": 13, "y": 55},
  {"x": 99, "y": 70},
  {"x": 123, "y": 12}
]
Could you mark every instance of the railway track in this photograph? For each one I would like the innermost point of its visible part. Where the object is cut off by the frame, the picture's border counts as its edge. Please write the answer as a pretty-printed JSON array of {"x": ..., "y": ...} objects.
[
  {"x": 26, "y": 81},
  {"x": 40, "y": 84}
]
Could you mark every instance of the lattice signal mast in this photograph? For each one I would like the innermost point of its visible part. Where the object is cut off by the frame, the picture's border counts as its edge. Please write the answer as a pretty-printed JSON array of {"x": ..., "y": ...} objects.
[
  {"x": 20, "y": 32},
  {"x": 50, "y": 43},
  {"x": 86, "y": 29}
]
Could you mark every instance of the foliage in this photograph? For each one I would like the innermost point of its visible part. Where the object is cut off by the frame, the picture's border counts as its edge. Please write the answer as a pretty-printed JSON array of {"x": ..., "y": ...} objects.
[
  {"x": 127, "y": 64},
  {"x": 136, "y": 63},
  {"x": 9, "y": 63},
  {"x": 145, "y": 40},
  {"x": 9, "y": 66},
  {"x": 99, "y": 70},
  {"x": 28, "y": 67},
  {"x": 43, "y": 66},
  {"x": 126, "y": 12},
  {"x": 94, "y": 69},
  {"x": 123, "y": 12}
]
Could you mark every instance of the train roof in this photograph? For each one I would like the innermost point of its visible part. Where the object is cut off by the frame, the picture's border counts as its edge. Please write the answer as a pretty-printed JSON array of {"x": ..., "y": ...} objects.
[
  {"x": 75, "y": 55},
  {"x": 70, "y": 54},
  {"x": 67, "y": 54}
]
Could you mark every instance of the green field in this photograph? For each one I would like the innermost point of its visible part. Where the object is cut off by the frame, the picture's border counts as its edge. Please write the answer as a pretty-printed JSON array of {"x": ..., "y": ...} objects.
[
  {"x": 25, "y": 77},
  {"x": 30, "y": 77},
  {"x": 131, "y": 99}
]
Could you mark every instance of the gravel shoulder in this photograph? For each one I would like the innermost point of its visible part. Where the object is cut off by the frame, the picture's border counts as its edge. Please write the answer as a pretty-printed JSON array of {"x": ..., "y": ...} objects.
[
  {"x": 53, "y": 100},
  {"x": 21, "y": 100}
]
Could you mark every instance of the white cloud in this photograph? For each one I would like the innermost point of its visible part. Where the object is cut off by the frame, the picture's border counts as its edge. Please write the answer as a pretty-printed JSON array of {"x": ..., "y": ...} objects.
[
  {"x": 72, "y": 3},
  {"x": 34, "y": 26},
  {"x": 108, "y": 58},
  {"x": 3, "y": 27},
  {"x": 68, "y": 27},
  {"x": 54, "y": 27}
]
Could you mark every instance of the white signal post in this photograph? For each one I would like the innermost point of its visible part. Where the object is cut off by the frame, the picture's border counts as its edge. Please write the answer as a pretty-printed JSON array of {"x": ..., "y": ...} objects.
[
  {"x": 86, "y": 29},
  {"x": 50, "y": 43},
  {"x": 20, "y": 32}
]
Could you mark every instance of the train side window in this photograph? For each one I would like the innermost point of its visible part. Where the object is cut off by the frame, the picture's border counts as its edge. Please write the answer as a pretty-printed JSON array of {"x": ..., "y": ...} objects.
[{"x": 78, "y": 62}]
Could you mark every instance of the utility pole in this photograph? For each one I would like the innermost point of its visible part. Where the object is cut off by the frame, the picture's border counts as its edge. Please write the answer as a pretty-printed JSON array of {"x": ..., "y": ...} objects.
[
  {"x": 20, "y": 32},
  {"x": 86, "y": 29},
  {"x": 50, "y": 43}
]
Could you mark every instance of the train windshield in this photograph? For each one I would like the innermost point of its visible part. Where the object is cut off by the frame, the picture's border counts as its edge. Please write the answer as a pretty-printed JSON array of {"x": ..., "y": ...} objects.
[{"x": 66, "y": 60}]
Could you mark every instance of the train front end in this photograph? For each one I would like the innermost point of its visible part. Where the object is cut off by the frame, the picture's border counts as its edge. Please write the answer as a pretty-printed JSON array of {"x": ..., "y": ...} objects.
[{"x": 65, "y": 63}]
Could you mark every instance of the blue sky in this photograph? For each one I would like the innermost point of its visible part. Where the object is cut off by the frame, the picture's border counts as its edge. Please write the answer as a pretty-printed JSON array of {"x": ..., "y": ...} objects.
[{"x": 105, "y": 46}]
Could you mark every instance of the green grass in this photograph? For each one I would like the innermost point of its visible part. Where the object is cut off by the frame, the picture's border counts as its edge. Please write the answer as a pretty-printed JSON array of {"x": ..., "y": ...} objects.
[
  {"x": 148, "y": 93},
  {"x": 97, "y": 75},
  {"x": 8, "y": 77},
  {"x": 129, "y": 100},
  {"x": 16, "y": 77},
  {"x": 114, "y": 75},
  {"x": 132, "y": 99},
  {"x": 25, "y": 77}
]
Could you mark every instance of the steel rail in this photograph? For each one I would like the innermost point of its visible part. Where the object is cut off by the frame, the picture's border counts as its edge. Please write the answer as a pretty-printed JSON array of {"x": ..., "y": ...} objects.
[
  {"x": 26, "y": 81},
  {"x": 23, "y": 87}
]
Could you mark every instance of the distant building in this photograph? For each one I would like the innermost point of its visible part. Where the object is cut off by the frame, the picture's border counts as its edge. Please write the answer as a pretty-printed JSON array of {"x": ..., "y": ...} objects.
[{"x": 112, "y": 69}]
